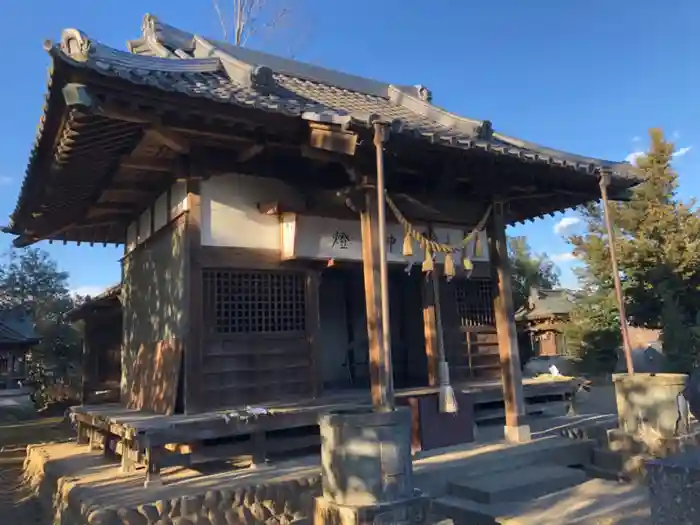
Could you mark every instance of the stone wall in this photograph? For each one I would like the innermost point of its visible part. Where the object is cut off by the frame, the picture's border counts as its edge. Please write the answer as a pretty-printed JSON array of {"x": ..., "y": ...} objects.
[{"x": 268, "y": 503}]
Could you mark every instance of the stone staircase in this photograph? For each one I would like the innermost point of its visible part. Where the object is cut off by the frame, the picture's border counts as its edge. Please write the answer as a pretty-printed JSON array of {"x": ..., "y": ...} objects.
[
  {"x": 485, "y": 486},
  {"x": 491, "y": 498},
  {"x": 546, "y": 482}
]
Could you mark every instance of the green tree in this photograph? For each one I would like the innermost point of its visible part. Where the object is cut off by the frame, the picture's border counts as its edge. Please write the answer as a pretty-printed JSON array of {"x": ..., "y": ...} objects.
[
  {"x": 31, "y": 280},
  {"x": 657, "y": 241},
  {"x": 529, "y": 270}
]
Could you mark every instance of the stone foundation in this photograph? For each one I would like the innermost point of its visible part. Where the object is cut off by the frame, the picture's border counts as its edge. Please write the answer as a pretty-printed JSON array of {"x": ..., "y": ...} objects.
[{"x": 68, "y": 502}]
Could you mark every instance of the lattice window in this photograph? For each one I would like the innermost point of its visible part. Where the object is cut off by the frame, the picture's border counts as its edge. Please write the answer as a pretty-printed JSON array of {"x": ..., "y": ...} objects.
[
  {"x": 243, "y": 302},
  {"x": 475, "y": 302}
]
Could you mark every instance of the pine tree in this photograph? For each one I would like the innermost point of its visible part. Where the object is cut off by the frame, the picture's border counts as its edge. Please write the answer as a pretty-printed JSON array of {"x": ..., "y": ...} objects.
[{"x": 657, "y": 241}]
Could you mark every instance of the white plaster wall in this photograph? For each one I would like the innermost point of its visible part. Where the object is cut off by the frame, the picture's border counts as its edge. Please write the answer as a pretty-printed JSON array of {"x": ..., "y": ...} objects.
[
  {"x": 230, "y": 215},
  {"x": 142, "y": 228},
  {"x": 145, "y": 226}
]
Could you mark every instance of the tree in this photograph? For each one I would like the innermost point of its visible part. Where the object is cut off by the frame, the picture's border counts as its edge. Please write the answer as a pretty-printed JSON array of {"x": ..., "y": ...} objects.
[
  {"x": 529, "y": 270},
  {"x": 31, "y": 280},
  {"x": 657, "y": 241},
  {"x": 247, "y": 18}
]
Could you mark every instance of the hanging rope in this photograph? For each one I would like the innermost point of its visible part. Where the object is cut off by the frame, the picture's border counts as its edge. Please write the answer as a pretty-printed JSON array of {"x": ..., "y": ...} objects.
[
  {"x": 429, "y": 244},
  {"x": 433, "y": 247}
]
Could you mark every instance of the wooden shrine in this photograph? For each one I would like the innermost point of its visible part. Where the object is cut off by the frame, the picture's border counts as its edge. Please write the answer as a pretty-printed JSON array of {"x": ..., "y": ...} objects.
[{"x": 243, "y": 189}]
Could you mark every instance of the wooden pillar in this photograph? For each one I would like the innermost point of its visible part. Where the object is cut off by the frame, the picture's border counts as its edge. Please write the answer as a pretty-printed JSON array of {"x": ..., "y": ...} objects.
[
  {"x": 516, "y": 430},
  {"x": 370, "y": 265},
  {"x": 430, "y": 331},
  {"x": 9, "y": 384},
  {"x": 195, "y": 310},
  {"x": 85, "y": 383},
  {"x": 313, "y": 325}
]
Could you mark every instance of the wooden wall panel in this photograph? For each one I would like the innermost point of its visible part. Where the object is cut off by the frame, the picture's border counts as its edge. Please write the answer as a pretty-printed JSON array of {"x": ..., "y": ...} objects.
[{"x": 155, "y": 375}]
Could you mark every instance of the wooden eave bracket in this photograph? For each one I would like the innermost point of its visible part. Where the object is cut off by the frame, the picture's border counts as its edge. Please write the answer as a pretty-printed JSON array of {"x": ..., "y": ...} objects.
[{"x": 332, "y": 138}]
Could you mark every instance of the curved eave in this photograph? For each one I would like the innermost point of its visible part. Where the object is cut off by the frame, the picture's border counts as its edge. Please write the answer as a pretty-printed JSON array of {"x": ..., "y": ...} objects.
[{"x": 49, "y": 127}]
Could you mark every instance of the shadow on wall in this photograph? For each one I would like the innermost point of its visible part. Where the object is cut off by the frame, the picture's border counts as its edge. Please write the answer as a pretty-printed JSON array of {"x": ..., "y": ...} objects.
[{"x": 154, "y": 306}]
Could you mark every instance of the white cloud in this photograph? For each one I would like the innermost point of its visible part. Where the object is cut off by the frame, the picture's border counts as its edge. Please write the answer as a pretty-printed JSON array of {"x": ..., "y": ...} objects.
[
  {"x": 565, "y": 224},
  {"x": 563, "y": 257},
  {"x": 682, "y": 151},
  {"x": 632, "y": 157},
  {"x": 92, "y": 291},
  {"x": 636, "y": 138},
  {"x": 5, "y": 180},
  {"x": 675, "y": 135}
]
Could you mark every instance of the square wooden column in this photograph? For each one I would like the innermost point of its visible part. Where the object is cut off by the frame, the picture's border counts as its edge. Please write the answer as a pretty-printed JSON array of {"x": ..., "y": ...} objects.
[
  {"x": 516, "y": 429},
  {"x": 381, "y": 380}
]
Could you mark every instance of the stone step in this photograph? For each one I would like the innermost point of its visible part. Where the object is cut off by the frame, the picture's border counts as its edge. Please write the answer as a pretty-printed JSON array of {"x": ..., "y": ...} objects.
[
  {"x": 516, "y": 485},
  {"x": 431, "y": 473},
  {"x": 618, "y": 465},
  {"x": 592, "y": 503},
  {"x": 607, "y": 459},
  {"x": 596, "y": 472},
  {"x": 463, "y": 511}
]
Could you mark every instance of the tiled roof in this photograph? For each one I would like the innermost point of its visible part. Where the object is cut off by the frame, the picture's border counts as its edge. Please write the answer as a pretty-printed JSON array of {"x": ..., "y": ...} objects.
[
  {"x": 108, "y": 298},
  {"x": 544, "y": 304},
  {"x": 16, "y": 327},
  {"x": 174, "y": 60}
]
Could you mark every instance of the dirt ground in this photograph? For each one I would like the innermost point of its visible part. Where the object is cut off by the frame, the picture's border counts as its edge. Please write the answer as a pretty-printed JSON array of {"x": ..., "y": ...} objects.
[{"x": 17, "y": 506}]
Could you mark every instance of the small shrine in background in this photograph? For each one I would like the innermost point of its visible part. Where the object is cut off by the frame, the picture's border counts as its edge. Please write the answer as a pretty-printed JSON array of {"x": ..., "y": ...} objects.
[
  {"x": 544, "y": 317},
  {"x": 17, "y": 336}
]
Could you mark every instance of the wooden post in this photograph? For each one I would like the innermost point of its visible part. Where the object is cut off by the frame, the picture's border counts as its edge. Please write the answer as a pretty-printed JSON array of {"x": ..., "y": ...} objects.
[
  {"x": 370, "y": 265},
  {"x": 626, "y": 345},
  {"x": 85, "y": 386},
  {"x": 516, "y": 430},
  {"x": 9, "y": 383},
  {"x": 381, "y": 133},
  {"x": 195, "y": 311}
]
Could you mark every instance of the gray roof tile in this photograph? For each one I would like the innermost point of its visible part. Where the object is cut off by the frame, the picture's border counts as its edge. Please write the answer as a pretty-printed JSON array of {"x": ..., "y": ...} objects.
[{"x": 173, "y": 60}]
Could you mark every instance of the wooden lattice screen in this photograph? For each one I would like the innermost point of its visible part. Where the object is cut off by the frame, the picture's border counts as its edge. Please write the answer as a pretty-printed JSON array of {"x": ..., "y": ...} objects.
[
  {"x": 478, "y": 357},
  {"x": 257, "y": 302},
  {"x": 475, "y": 302}
]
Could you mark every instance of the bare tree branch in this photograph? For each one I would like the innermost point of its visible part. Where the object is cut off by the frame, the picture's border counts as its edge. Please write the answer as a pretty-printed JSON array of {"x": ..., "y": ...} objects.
[
  {"x": 221, "y": 18},
  {"x": 246, "y": 19}
]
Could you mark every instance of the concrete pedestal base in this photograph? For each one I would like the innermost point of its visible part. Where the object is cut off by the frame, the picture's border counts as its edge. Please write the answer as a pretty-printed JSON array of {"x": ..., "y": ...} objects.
[
  {"x": 651, "y": 403},
  {"x": 404, "y": 512},
  {"x": 366, "y": 470},
  {"x": 520, "y": 434}
]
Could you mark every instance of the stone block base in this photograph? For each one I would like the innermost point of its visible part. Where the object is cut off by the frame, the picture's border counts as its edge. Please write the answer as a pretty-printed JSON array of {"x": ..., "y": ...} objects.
[
  {"x": 404, "y": 512},
  {"x": 520, "y": 434},
  {"x": 657, "y": 446},
  {"x": 674, "y": 489}
]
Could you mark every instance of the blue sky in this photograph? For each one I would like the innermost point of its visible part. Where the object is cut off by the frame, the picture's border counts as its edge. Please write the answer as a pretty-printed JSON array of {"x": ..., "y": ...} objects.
[{"x": 586, "y": 76}]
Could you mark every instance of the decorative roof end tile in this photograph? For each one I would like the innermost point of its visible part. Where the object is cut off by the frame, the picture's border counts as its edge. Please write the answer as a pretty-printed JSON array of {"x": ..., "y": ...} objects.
[
  {"x": 76, "y": 44},
  {"x": 424, "y": 93}
]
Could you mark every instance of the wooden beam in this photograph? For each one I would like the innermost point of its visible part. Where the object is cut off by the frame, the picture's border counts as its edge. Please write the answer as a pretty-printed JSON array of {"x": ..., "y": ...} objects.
[
  {"x": 147, "y": 164},
  {"x": 516, "y": 429},
  {"x": 169, "y": 139},
  {"x": 114, "y": 206},
  {"x": 250, "y": 152}
]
